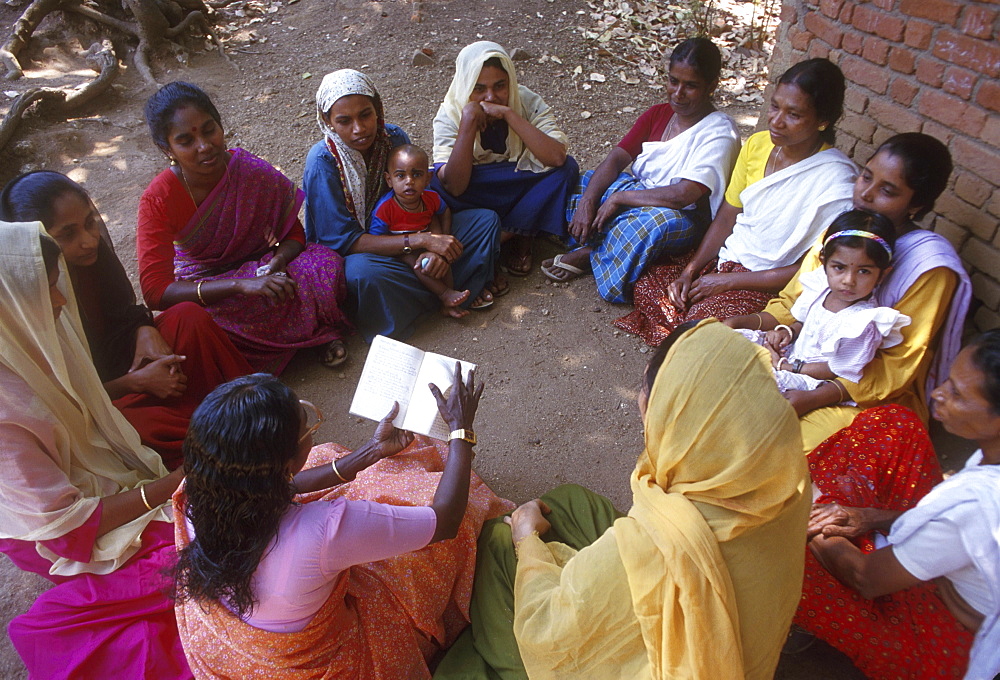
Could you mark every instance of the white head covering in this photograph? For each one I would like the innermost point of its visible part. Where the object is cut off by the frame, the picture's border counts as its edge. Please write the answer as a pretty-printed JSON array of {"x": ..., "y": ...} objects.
[
  {"x": 363, "y": 183},
  {"x": 529, "y": 105},
  {"x": 52, "y": 390}
]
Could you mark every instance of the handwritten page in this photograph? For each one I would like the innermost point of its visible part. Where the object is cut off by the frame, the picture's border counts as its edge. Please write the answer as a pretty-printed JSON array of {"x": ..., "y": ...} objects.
[{"x": 423, "y": 412}]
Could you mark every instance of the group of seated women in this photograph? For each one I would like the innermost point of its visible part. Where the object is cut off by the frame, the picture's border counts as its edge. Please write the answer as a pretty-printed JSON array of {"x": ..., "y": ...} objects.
[{"x": 262, "y": 555}]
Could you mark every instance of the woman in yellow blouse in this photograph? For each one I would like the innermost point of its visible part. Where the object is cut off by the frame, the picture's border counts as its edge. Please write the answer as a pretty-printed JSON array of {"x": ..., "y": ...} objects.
[
  {"x": 927, "y": 283},
  {"x": 699, "y": 580}
]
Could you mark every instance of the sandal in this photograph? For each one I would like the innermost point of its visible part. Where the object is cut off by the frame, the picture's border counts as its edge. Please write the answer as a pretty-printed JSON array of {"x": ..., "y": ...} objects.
[
  {"x": 517, "y": 264},
  {"x": 558, "y": 264},
  {"x": 497, "y": 290},
  {"x": 484, "y": 301},
  {"x": 334, "y": 354}
]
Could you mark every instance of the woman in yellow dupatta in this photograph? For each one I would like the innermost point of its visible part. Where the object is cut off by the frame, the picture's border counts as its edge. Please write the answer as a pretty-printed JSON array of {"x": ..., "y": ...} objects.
[{"x": 700, "y": 580}]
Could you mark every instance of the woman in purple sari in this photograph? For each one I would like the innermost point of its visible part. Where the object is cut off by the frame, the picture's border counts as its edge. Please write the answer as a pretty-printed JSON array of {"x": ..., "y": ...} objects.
[{"x": 220, "y": 228}]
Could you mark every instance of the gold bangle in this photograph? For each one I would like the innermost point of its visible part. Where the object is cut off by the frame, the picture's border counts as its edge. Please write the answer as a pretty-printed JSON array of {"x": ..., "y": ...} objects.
[
  {"x": 142, "y": 493},
  {"x": 333, "y": 464},
  {"x": 760, "y": 321},
  {"x": 200, "y": 298},
  {"x": 842, "y": 392}
]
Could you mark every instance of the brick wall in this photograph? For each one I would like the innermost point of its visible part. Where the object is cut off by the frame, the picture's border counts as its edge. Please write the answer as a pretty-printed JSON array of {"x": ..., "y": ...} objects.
[{"x": 929, "y": 66}]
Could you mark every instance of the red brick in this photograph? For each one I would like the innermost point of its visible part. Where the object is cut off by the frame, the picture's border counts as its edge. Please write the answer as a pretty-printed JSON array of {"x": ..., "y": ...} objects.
[
  {"x": 884, "y": 4},
  {"x": 940, "y": 11},
  {"x": 819, "y": 49},
  {"x": 952, "y": 112},
  {"x": 985, "y": 319},
  {"x": 960, "y": 212},
  {"x": 977, "y": 157},
  {"x": 978, "y": 22},
  {"x": 862, "y": 153},
  {"x": 938, "y": 131},
  {"x": 878, "y": 22},
  {"x": 930, "y": 71},
  {"x": 853, "y": 42},
  {"x": 799, "y": 39},
  {"x": 824, "y": 29},
  {"x": 951, "y": 231},
  {"x": 991, "y": 133},
  {"x": 987, "y": 290},
  {"x": 881, "y": 135},
  {"x": 876, "y": 51},
  {"x": 863, "y": 73},
  {"x": 993, "y": 205},
  {"x": 982, "y": 256},
  {"x": 855, "y": 100},
  {"x": 959, "y": 81},
  {"x": 980, "y": 56},
  {"x": 972, "y": 189},
  {"x": 831, "y": 8},
  {"x": 847, "y": 14},
  {"x": 860, "y": 127},
  {"x": 903, "y": 91},
  {"x": 918, "y": 34},
  {"x": 893, "y": 116},
  {"x": 789, "y": 15},
  {"x": 902, "y": 60},
  {"x": 989, "y": 95}
]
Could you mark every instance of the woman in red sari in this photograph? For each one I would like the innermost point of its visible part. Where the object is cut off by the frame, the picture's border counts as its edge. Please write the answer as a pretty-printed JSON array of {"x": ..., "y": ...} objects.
[
  {"x": 158, "y": 370},
  {"x": 220, "y": 228},
  {"x": 903, "y": 569}
]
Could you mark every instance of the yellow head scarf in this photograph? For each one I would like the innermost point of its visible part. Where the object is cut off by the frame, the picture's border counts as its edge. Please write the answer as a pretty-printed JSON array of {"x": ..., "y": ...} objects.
[
  {"x": 723, "y": 456},
  {"x": 58, "y": 397}
]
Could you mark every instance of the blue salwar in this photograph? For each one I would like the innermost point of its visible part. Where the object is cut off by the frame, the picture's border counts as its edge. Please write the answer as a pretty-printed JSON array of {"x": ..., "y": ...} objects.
[
  {"x": 384, "y": 296},
  {"x": 527, "y": 202},
  {"x": 635, "y": 238}
]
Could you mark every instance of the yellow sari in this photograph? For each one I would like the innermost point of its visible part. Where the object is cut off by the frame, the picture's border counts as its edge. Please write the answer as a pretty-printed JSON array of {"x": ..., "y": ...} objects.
[{"x": 702, "y": 578}]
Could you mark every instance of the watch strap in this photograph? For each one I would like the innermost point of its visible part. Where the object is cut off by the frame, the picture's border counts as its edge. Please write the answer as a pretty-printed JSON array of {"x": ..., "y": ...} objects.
[{"x": 463, "y": 434}]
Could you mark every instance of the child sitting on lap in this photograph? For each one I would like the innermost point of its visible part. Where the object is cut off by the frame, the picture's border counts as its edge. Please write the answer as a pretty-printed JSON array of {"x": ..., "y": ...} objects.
[
  {"x": 840, "y": 324},
  {"x": 410, "y": 208}
]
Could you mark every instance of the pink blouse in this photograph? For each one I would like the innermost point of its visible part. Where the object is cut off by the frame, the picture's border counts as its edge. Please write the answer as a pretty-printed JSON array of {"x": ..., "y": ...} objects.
[{"x": 316, "y": 541}]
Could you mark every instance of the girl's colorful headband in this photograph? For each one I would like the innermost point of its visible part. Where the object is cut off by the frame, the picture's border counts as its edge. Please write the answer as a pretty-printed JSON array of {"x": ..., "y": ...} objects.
[{"x": 863, "y": 234}]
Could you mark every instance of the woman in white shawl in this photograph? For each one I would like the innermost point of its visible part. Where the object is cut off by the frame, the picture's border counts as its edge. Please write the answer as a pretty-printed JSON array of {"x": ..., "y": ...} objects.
[
  {"x": 789, "y": 183},
  {"x": 888, "y": 618},
  {"x": 682, "y": 153},
  {"x": 498, "y": 146},
  {"x": 81, "y": 500}
]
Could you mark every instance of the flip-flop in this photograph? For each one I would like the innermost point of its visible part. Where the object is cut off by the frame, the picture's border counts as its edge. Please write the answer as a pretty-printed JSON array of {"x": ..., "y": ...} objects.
[
  {"x": 525, "y": 258},
  {"x": 557, "y": 263},
  {"x": 330, "y": 358},
  {"x": 498, "y": 292},
  {"x": 486, "y": 304}
]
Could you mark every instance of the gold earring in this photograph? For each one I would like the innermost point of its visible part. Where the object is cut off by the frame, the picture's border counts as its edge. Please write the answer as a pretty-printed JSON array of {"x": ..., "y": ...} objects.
[
  {"x": 822, "y": 128},
  {"x": 173, "y": 161}
]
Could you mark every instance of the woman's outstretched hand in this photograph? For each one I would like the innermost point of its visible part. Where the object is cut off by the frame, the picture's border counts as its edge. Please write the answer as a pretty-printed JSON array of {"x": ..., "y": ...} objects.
[
  {"x": 388, "y": 440},
  {"x": 833, "y": 519},
  {"x": 459, "y": 409},
  {"x": 528, "y": 518}
]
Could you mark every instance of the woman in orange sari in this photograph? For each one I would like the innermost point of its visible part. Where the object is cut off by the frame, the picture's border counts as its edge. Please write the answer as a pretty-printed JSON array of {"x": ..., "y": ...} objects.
[{"x": 366, "y": 574}]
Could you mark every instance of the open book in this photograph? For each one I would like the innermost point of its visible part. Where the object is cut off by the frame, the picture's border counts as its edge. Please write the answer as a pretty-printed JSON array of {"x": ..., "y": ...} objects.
[{"x": 395, "y": 371}]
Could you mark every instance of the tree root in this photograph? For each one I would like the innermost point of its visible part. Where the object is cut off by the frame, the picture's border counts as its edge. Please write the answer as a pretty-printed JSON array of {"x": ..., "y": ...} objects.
[
  {"x": 101, "y": 57},
  {"x": 21, "y": 34}
]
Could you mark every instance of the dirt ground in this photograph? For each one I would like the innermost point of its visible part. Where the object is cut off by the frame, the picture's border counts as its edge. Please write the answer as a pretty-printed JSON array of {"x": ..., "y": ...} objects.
[{"x": 561, "y": 382}]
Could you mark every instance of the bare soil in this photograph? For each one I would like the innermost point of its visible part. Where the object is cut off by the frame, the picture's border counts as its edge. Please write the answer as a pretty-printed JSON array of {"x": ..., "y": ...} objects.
[{"x": 561, "y": 382}]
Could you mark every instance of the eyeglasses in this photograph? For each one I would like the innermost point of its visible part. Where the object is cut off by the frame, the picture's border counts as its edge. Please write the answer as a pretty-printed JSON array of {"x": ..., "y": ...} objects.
[{"x": 316, "y": 413}]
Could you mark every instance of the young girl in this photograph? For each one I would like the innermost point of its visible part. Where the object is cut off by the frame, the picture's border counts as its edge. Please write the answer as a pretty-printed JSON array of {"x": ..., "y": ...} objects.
[
  {"x": 839, "y": 325},
  {"x": 409, "y": 207}
]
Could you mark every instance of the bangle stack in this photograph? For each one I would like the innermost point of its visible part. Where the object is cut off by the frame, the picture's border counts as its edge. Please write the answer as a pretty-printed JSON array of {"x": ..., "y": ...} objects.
[
  {"x": 840, "y": 388},
  {"x": 783, "y": 327}
]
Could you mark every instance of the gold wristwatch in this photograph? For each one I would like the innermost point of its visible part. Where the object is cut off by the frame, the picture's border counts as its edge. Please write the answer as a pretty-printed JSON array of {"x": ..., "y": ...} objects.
[
  {"x": 406, "y": 245},
  {"x": 464, "y": 435}
]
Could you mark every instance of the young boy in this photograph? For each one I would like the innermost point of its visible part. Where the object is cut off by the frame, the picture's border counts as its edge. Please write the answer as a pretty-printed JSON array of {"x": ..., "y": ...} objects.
[{"x": 410, "y": 208}]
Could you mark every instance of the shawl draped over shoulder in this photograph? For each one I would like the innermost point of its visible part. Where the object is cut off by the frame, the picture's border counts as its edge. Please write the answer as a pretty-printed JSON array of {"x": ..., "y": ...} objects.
[
  {"x": 714, "y": 480},
  {"x": 529, "y": 105},
  {"x": 52, "y": 391}
]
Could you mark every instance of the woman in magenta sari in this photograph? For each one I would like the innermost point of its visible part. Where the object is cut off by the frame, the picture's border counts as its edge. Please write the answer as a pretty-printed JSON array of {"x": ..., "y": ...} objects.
[
  {"x": 81, "y": 500},
  {"x": 220, "y": 228}
]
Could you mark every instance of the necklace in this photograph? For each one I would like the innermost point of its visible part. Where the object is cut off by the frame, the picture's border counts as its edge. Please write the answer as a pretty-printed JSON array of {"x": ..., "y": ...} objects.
[
  {"x": 669, "y": 132},
  {"x": 186, "y": 186},
  {"x": 773, "y": 160}
]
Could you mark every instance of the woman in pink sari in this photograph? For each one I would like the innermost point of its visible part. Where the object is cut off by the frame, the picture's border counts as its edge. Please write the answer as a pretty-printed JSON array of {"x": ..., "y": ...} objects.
[
  {"x": 81, "y": 500},
  {"x": 220, "y": 228}
]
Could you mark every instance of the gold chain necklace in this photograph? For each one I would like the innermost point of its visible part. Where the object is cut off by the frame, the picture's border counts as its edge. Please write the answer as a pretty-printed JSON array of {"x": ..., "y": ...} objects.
[{"x": 186, "y": 186}]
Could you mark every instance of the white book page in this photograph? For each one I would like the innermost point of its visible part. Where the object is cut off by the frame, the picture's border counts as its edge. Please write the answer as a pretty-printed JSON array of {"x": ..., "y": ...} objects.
[
  {"x": 423, "y": 416},
  {"x": 389, "y": 374}
]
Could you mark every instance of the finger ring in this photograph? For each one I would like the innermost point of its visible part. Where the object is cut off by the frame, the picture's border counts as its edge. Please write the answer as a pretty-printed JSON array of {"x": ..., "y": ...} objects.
[{"x": 279, "y": 274}]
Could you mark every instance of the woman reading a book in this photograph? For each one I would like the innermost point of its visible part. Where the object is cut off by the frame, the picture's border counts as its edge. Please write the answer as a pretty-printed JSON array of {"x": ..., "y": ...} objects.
[
  {"x": 301, "y": 561},
  {"x": 700, "y": 580}
]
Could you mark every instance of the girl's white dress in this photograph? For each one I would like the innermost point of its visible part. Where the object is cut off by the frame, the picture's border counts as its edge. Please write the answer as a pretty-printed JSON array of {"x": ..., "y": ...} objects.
[{"x": 846, "y": 340}]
